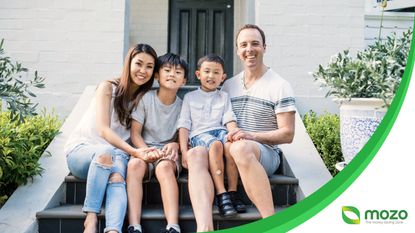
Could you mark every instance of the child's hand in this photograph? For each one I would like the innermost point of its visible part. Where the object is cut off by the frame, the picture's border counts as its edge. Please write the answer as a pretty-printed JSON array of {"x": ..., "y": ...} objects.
[
  {"x": 171, "y": 151},
  {"x": 231, "y": 133}
]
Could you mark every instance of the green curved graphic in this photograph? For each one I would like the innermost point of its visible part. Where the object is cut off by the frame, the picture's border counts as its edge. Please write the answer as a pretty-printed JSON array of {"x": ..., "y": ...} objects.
[
  {"x": 313, "y": 204},
  {"x": 353, "y": 210}
]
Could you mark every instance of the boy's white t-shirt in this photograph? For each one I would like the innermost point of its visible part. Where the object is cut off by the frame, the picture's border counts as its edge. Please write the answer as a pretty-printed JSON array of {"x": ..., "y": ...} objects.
[
  {"x": 159, "y": 121},
  {"x": 205, "y": 111}
]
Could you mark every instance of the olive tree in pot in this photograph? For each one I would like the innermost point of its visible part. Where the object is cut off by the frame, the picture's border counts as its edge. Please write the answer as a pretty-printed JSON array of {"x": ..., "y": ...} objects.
[{"x": 364, "y": 86}]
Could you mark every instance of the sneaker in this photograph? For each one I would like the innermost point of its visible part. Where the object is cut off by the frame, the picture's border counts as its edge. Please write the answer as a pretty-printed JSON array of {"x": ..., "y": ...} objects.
[
  {"x": 239, "y": 206},
  {"x": 131, "y": 229},
  {"x": 225, "y": 205},
  {"x": 170, "y": 230}
]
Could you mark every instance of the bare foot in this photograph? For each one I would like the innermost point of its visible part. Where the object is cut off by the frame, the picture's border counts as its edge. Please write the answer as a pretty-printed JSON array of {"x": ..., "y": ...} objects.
[{"x": 90, "y": 223}]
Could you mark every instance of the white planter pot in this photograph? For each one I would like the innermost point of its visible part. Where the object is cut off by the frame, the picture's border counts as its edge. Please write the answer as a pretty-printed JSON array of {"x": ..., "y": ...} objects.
[{"x": 359, "y": 118}]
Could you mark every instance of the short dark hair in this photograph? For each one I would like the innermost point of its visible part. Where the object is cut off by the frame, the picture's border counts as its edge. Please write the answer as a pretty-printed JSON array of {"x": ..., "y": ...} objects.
[
  {"x": 211, "y": 58},
  {"x": 173, "y": 60},
  {"x": 250, "y": 26}
]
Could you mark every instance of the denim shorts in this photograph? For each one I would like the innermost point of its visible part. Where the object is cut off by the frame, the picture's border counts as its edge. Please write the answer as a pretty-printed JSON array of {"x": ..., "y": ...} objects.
[
  {"x": 207, "y": 138},
  {"x": 269, "y": 158},
  {"x": 81, "y": 156}
]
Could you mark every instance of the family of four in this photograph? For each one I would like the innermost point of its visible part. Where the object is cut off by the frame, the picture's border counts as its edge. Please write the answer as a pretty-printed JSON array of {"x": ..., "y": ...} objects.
[{"x": 130, "y": 133}]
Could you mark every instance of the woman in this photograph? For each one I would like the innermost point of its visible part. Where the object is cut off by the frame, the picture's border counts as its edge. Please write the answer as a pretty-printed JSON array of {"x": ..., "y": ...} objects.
[{"x": 97, "y": 149}]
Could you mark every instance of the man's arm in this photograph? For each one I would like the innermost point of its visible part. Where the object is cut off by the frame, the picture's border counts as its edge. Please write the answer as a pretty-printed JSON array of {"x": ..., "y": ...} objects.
[{"x": 284, "y": 133}]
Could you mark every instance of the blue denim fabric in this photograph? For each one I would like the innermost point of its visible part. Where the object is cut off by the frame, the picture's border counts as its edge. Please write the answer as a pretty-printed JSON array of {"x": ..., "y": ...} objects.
[
  {"x": 269, "y": 158},
  {"x": 207, "y": 138},
  {"x": 82, "y": 164}
]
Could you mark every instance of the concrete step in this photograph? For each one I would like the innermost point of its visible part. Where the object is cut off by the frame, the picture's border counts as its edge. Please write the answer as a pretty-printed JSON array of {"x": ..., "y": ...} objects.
[
  {"x": 69, "y": 219},
  {"x": 283, "y": 189}
]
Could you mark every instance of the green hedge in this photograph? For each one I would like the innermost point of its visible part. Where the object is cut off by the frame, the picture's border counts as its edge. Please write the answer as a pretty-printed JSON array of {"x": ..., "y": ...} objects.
[
  {"x": 21, "y": 145},
  {"x": 324, "y": 130}
]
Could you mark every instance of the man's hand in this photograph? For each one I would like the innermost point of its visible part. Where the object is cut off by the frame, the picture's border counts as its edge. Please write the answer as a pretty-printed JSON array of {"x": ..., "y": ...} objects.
[{"x": 239, "y": 134}]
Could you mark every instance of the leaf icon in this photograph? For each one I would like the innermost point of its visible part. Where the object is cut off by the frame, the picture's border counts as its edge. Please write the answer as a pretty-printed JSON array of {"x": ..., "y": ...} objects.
[{"x": 353, "y": 210}]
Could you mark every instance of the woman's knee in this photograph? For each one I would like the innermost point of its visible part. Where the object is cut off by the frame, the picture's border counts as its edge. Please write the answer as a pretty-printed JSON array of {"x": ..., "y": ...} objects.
[
  {"x": 105, "y": 157},
  {"x": 116, "y": 178}
]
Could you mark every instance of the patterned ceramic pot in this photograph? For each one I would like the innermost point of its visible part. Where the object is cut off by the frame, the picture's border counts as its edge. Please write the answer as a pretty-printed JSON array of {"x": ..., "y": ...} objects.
[{"x": 359, "y": 118}]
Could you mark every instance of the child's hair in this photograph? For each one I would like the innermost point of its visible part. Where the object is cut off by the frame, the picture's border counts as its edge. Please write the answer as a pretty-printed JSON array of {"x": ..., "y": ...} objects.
[
  {"x": 211, "y": 58},
  {"x": 173, "y": 60}
]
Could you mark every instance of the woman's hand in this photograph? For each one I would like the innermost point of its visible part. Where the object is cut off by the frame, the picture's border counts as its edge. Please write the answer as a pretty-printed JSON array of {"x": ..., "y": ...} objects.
[
  {"x": 148, "y": 155},
  {"x": 171, "y": 151}
]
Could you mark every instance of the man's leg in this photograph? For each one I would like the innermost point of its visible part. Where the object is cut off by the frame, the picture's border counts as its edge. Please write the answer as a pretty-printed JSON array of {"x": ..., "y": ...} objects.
[
  {"x": 201, "y": 188},
  {"x": 246, "y": 155},
  {"x": 233, "y": 176}
]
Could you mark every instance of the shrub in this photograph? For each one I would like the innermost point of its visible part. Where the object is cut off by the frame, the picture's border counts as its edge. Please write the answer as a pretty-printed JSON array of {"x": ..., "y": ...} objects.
[
  {"x": 15, "y": 89},
  {"x": 21, "y": 145},
  {"x": 324, "y": 130},
  {"x": 376, "y": 72}
]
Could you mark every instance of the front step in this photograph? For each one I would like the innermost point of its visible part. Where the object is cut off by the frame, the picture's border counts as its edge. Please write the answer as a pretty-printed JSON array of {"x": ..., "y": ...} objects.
[
  {"x": 70, "y": 218},
  {"x": 283, "y": 190}
]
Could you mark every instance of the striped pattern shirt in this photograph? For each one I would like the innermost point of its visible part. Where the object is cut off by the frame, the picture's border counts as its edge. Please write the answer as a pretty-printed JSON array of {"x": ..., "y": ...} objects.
[{"x": 256, "y": 108}]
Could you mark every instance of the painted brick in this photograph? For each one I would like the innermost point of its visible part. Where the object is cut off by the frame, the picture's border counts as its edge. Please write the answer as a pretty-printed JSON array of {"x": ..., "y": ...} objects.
[
  {"x": 301, "y": 34},
  {"x": 71, "y": 43}
]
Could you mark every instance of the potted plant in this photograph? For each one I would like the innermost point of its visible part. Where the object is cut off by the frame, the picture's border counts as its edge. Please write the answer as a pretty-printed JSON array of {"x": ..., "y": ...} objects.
[{"x": 364, "y": 86}]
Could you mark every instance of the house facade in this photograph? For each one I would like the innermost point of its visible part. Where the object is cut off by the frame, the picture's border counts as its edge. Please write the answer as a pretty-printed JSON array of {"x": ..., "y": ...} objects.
[{"x": 78, "y": 43}]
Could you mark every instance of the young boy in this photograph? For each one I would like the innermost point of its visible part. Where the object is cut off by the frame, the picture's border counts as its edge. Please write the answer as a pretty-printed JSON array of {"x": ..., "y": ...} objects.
[
  {"x": 205, "y": 113},
  {"x": 154, "y": 125}
]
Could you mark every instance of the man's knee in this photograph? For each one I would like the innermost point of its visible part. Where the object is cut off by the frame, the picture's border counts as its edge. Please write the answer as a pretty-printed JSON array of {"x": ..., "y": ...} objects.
[{"x": 243, "y": 152}]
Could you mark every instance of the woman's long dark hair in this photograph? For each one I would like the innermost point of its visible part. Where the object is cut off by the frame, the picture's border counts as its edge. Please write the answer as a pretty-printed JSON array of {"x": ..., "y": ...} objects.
[{"x": 123, "y": 103}]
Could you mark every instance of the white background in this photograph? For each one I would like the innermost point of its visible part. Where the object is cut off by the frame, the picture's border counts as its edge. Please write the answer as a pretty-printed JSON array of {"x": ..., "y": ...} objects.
[{"x": 387, "y": 183}]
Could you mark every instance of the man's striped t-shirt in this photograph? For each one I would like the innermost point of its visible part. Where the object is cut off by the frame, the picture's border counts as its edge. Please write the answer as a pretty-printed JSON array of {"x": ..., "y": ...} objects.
[{"x": 256, "y": 108}]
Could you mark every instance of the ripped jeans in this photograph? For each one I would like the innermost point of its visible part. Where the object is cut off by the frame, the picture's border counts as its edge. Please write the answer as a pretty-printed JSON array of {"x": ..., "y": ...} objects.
[{"x": 82, "y": 162}]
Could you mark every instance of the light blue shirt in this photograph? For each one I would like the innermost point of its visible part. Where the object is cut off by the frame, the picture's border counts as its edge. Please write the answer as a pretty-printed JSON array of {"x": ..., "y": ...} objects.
[{"x": 205, "y": 111}]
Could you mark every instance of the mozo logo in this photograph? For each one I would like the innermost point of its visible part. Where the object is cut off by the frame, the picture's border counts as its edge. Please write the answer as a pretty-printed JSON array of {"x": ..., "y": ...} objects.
[
  {"x": 386, "y": 214},
  {"x": 372, "y": 215}
]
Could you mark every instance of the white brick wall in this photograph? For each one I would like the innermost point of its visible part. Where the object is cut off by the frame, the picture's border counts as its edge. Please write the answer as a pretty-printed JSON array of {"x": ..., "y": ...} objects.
[
  {"x": 397, "y": 22},
  {"x": 71, "y": 43},
  {"x": 302, "y": 34},
  {"x": 149, "y": 23}
]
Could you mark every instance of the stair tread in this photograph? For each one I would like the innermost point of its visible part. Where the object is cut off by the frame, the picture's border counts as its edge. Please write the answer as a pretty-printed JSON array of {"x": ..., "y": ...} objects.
[
  {"x": 274, "y": 179},
  {"x": 148, "y": 212}
]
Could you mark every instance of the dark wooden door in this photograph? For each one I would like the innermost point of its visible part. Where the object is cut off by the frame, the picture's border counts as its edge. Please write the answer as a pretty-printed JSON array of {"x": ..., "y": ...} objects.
[{"x": 200, "y": 27}]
